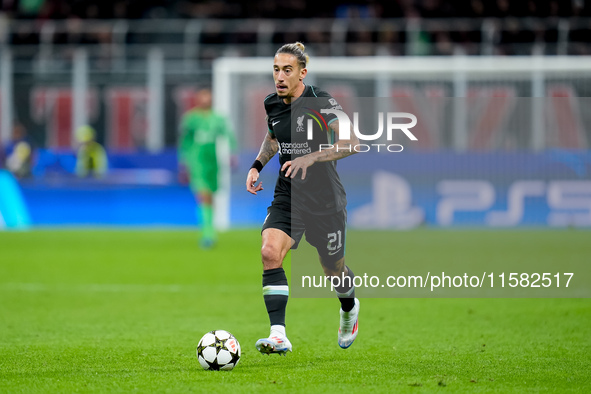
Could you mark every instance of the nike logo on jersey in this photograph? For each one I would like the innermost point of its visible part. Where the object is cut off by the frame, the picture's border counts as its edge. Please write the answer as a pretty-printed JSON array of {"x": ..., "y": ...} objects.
[
  {"x": 274, "y": 123},
  {"x": 335, "y": 252}
]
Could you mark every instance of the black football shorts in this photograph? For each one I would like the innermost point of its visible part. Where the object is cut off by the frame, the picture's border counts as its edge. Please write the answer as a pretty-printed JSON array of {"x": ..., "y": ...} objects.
[{"x": 325, "y": 232}]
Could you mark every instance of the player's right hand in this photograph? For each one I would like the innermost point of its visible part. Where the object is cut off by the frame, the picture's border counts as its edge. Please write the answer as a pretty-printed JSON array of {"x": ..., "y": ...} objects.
[{"x": 251, "y": 180}]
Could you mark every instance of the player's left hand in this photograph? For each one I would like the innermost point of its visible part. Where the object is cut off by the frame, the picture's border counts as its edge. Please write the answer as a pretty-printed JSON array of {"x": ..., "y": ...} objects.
[{"x": 293, "y": 166}]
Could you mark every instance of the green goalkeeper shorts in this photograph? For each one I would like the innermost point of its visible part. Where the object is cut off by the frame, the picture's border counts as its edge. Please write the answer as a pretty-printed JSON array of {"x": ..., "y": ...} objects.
[{"x": 204, "y": 179}]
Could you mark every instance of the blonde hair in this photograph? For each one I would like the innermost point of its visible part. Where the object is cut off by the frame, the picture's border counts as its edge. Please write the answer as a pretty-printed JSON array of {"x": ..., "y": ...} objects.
[{"x": 296, "y": 49}]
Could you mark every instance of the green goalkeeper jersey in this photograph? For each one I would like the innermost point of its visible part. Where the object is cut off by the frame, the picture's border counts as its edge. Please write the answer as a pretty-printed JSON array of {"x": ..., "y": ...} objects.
[{"x": 200, "y": 130}]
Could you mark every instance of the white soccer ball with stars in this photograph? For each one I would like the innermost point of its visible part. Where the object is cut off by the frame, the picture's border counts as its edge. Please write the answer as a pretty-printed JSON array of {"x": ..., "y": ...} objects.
[{"x": 218, "y": 350}]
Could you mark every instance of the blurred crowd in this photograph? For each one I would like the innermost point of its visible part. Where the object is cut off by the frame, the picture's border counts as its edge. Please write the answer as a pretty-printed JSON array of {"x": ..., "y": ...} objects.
[
  {"x": 519, "y": 24},
  {"x": 141, "y": 9}
]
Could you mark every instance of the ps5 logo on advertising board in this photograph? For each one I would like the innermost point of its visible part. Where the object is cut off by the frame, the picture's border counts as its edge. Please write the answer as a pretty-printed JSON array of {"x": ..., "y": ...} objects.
[{"x": 391, "y": 119}]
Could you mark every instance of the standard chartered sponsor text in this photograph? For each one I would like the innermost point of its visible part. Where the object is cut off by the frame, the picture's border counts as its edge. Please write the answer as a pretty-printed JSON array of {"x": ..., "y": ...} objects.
[{"x": 295, "y": 148}]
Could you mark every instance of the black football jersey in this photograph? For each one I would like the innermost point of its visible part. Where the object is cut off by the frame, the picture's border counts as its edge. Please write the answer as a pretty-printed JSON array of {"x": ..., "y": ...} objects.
[{"x": 322, "y": 191}]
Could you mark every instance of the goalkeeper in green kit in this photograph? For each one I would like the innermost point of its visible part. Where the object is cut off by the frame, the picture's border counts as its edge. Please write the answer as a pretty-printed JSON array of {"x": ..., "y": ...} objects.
[{"x": 200, "y": 130}]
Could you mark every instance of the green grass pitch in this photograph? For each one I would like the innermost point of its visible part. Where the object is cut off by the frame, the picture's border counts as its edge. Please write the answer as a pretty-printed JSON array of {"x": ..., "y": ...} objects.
[{"x": 122, "y": 311}]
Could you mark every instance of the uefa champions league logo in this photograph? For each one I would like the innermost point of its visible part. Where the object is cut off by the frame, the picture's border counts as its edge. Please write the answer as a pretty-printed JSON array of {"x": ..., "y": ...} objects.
[{"x": 391, "y": 119}]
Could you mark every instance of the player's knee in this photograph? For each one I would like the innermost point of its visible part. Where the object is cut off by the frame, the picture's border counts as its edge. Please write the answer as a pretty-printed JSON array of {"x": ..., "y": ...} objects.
[{"x": 271, "y": 256}]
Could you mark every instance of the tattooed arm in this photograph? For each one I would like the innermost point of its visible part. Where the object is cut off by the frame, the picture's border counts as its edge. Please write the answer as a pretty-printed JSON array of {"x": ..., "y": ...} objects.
[
  {"x": 269, "y": 148},
  {"x": 340, "y": 149}
]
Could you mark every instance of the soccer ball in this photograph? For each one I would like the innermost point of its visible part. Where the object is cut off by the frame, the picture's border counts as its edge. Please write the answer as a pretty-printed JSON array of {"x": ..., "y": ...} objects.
[{"x": 218, "y": 350}]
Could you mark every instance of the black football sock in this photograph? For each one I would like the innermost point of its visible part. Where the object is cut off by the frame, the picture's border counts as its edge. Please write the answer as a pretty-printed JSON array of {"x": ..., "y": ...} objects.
[
  {"x": 346, "y": 291},
  {"x": 275, "y": 293}
]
